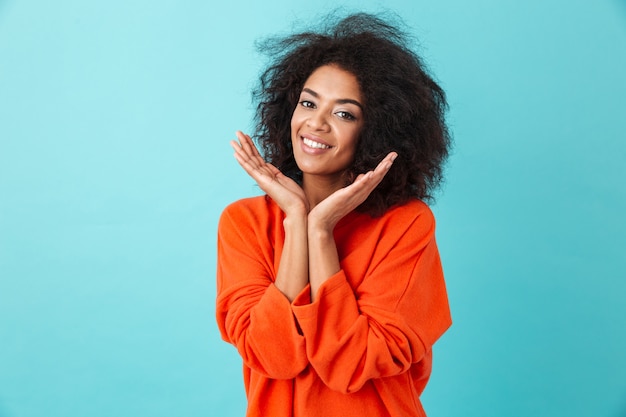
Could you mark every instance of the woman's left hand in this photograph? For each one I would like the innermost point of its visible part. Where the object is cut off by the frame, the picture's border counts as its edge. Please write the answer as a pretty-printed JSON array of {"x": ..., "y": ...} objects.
[{"x": 328, "y": 212}]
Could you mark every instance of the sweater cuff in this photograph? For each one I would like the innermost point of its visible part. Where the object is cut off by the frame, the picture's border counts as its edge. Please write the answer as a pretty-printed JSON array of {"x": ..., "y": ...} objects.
[
  {"x": 334, "y": 290},
  {"x": 275, "y": 316},
  {"x": 303, "y": 298}
]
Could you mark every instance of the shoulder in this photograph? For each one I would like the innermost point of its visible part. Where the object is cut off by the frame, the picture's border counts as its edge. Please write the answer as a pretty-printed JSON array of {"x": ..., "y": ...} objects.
[
  {"x": 409, "y": 227},
  {"x": 249, "y": 212},
  {"x": 248, "y": 205},
  {"x": 410, "y": 215},
  {"x": 412, "y": 208}
]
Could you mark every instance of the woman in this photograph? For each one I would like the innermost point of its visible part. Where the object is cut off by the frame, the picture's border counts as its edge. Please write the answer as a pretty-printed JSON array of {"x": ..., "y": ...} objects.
[{"x": 330, "y": 285}]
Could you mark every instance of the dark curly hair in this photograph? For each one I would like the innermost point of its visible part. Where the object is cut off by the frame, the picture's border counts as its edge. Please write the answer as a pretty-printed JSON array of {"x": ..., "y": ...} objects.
[{"x": 403, "y": 106}]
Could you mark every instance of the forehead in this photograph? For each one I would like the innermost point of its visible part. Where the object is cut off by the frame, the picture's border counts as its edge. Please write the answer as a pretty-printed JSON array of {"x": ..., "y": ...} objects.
[{"x": 334, "y": 82}]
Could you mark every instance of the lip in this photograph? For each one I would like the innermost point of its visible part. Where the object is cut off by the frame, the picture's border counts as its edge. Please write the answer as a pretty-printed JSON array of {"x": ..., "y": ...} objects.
[{"x": 310, "y": 150}]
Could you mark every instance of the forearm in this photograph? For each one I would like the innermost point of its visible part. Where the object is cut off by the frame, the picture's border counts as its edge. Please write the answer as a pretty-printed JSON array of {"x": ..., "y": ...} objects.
[
  {"x": 252, "y": 313},
  {"x": 323, "y": 256},
  {"x": 292, "y": 275},
  {"x": 368, "y": 341}
]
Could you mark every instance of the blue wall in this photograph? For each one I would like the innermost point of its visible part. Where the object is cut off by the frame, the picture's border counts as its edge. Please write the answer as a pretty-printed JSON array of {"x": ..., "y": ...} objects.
[{"x": 115, "y": 119}]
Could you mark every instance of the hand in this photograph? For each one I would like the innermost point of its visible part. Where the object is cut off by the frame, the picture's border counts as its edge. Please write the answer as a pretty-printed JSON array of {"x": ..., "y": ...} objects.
[
  {"x": 283, "y": 190},
  {"x": 333, "y": 208}
]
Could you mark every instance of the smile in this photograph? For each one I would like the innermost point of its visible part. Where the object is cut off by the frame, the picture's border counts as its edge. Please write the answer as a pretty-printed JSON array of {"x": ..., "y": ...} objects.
[{"x": 316, "y": 145}]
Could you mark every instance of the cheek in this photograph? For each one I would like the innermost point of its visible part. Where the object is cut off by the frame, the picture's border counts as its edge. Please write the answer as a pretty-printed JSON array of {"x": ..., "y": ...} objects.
[
  {"x": 295, "y": 123},
  {"x": 296, "y": 115},
  {"x": 353, "y": 136}
]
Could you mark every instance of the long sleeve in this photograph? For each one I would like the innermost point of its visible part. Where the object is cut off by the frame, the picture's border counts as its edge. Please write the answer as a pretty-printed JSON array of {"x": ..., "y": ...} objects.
[
  {"x": 383, "y": 311},
  {"x": 251, "y": 312}
]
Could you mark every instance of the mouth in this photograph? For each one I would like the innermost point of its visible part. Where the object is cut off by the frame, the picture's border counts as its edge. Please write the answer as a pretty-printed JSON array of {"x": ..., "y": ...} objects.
[{"x": 314, "y": 144}]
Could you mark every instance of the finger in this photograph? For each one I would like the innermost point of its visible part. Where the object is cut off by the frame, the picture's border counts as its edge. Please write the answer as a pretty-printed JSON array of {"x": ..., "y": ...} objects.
[
  {"x": 246, "y": 163},
  {"x": 254, "y": 166},
  {"x": 374, "y": 177},
  {"x": 239, "y": 152},
  {"x": 381, "y": 169},
  {"x": 243, "y": 157},
  {"x": 253, "y": 146},
  {"x": 273, "y": 169},
  {"x": 247, "y": 150},
  {"x": 384, "y": 165},
  {"x": 358, "y": 177},
  {"x": 365, "y": 183},
  {"x": 248, "y": 144},
  {"x": 242, "y": 137}
]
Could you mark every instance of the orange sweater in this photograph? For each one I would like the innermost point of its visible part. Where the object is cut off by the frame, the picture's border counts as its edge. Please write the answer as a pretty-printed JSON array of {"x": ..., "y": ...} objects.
[{"x": 363, "y": 348}]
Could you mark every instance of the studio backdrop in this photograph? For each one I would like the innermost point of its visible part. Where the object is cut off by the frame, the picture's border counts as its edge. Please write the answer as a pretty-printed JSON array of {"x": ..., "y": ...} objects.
[{"x": 115, "y": 164}]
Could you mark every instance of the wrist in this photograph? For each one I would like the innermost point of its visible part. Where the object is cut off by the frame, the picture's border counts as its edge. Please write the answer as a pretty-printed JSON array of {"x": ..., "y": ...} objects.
[
  {"x": 296, "y": 209},
  {"x": 320, "y": 232},
  {"x": 295, "y": 221}
]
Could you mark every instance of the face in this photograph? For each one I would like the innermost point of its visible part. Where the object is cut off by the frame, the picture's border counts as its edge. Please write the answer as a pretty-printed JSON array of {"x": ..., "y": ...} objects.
[{"x": 326, "y": 122}]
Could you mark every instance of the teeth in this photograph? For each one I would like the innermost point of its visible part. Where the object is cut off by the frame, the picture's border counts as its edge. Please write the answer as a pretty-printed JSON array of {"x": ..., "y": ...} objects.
[{"x": 313, "y": 144}]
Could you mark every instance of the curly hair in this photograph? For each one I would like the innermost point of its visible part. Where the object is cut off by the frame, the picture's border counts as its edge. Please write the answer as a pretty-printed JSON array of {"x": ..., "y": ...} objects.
[{"x": 404, "y": 107}]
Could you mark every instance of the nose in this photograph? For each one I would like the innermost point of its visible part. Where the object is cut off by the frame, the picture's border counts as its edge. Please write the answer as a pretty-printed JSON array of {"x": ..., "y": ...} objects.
[{"x": 318, "y": 121}]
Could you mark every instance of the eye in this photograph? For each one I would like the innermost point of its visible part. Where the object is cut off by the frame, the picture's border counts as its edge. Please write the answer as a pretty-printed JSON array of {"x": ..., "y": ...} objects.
[
  {"x": 308, "y": 104},
  {"x": 345, "y": 115}
]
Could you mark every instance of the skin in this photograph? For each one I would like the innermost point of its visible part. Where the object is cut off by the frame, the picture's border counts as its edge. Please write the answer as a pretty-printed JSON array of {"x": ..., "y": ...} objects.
[{"x": 329, "y": 112}]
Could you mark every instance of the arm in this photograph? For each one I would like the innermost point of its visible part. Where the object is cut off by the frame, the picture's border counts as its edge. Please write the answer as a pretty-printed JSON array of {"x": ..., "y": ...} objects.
[
  {"x": 252, "y": 313},
  {"x": 323, "y": 256},
  {"x": 292, "y": 274},
  {"x": 390, "y": 320},
  {"x": 253, "y": 307}
]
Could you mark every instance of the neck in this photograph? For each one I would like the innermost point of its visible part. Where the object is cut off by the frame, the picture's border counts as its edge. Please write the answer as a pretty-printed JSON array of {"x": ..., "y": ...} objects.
[{"x": 316, "y": 187}]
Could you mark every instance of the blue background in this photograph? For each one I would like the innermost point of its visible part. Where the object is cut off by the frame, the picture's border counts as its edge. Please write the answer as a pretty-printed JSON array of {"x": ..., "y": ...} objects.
[{"x": 115, "y": 119}]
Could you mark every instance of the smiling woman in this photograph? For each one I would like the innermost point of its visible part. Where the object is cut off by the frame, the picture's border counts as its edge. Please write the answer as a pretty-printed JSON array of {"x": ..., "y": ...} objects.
[
  {"x": 330, "y": 286},
  {"x": 325, "y": 127}
]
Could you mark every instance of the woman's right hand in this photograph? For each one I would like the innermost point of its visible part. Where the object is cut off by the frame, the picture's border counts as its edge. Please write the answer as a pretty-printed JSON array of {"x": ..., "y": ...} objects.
[{"x": 283, "y": 190}]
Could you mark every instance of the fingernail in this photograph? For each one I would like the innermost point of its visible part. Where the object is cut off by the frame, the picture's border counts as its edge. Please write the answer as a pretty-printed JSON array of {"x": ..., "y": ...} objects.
[{"x": 393, "y": 157}]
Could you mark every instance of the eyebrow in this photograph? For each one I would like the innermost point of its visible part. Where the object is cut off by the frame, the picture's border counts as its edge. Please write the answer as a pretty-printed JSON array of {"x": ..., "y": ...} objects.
[{"x": 340, "y": 101}]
